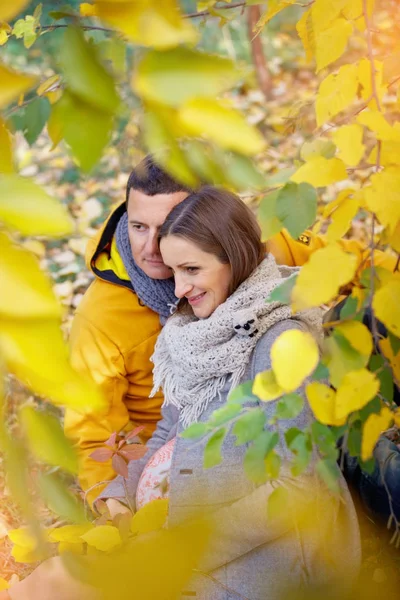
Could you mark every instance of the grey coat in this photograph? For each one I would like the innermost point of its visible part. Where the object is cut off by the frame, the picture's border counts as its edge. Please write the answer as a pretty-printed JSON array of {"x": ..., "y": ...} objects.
[{"x": 250, "y": 556}]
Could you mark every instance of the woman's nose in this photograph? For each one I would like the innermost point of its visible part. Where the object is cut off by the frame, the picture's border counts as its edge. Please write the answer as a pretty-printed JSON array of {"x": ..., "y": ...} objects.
[{"x": 182, "y": 288}]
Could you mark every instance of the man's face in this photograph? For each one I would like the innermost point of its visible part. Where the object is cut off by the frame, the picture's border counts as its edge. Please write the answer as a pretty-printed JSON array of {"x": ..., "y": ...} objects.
[{"x": 146, "y": 214}]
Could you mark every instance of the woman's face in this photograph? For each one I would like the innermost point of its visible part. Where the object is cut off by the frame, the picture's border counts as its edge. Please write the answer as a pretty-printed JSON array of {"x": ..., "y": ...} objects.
[{"x": 199, "y": 276}]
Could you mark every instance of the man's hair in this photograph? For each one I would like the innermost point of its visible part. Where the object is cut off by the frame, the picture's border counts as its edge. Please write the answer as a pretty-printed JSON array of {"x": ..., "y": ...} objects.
[
  {"x": 148, "y": 177},
  {"x": 221, "y": 224}
]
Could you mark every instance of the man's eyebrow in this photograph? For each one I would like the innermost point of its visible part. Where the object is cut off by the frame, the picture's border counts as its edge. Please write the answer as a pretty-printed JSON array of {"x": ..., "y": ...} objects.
[{"x": 136, "y": 222}]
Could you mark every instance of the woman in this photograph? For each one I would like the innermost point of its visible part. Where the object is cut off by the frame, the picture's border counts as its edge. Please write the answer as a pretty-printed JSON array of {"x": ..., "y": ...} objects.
[{"x": 221, "y": 335}]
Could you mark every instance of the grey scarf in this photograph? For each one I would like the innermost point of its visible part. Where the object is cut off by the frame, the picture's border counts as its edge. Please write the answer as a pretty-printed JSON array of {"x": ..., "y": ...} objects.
[
  {"x": 157, "y": 294},
  {"x": 194, "y": 358}
]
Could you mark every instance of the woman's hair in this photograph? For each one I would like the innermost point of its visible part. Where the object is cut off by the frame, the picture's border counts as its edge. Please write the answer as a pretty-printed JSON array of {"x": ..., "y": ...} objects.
[{"x": 219, "y": 223}]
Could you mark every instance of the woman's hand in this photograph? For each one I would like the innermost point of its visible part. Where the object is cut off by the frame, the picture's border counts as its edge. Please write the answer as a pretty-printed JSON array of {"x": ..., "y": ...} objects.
[{"x": 50, "y": 581}]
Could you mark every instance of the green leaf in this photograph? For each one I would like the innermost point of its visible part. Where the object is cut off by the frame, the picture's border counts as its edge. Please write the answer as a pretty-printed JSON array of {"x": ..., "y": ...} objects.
[
  {"x": 394, "y": 342},
  {"x": 321, "y": 372},
  {"x": 224, "y": 414},
  {"x": 175, "y": 76},
  {"x": 324, "y": 440},
  {"x": 301, "y": 447},
  {"x": 318, "y": 147},
  {"x": 86, "y": 129},
  {"x": 280, "y": 177},
  {"x": 270, "y": 224},
  {"x": 242, "y": 393},
  {"x": 329, "y": 472},
  {"x": 340, "y": 357},
  {"x": 291, "y": 434},
  {"x": 241, "y": 172},
  {"x": 249, "y": 426},
  {"x": 47, "y": 440},
  {"x": 36, "y": 115},
  {"x": 194, "y": 431},
  {"x": 254, "y": 458},
  {"x": 354, "y": 439},
  {"x": 349, "y": 310},
  {"x": 289, "y": 406},
  {"x": 278, "y": 503},
  {"x": 296, "y": 207},
  {"x": 212, "y": 451},
  {"x": 372, "y": 408},
  {"x": 29, "y": 209},
  {"x": 60, "y": 500},
  {"x": 283, "y": 292},
  {"x": 85, "y": 76},
  {"x": 378, "y": 364},
  {"x": 273, "y": 465}
]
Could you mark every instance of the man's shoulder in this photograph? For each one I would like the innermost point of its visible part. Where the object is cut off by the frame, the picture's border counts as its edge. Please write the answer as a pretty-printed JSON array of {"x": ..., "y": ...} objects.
[{"x": 117, "y": 312}]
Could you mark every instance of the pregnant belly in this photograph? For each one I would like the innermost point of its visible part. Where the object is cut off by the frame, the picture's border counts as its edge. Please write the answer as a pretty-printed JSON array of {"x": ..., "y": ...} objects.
[{"x": 154, "y": 481}]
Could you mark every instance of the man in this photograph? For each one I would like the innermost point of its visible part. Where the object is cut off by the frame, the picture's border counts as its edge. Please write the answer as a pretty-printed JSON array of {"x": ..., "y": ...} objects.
[{"x": 118, "y": 321}]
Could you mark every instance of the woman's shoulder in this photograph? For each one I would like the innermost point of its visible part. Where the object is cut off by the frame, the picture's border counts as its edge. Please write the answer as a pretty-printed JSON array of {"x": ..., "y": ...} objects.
[{"x": 261, "y": 359}]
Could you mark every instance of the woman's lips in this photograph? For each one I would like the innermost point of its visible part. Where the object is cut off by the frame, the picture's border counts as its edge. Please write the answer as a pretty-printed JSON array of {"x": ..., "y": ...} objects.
[{"x": 196, "y": 299}]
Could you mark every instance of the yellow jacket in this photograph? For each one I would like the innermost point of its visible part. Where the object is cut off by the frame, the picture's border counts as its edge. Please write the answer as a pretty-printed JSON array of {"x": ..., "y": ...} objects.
[{"x": 113, "y": 337}]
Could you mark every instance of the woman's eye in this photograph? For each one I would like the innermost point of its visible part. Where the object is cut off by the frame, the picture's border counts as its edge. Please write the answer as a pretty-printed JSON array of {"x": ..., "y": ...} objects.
[{"x": 192, "y": 269}]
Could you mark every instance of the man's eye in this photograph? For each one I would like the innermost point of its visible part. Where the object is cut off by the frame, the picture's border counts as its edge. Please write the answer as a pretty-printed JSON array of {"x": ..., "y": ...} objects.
[{"x": 138, "y": 227}]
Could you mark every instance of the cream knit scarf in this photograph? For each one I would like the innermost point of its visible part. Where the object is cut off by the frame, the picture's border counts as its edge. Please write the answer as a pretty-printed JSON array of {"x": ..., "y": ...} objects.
[{"x": 194, "y": 358}]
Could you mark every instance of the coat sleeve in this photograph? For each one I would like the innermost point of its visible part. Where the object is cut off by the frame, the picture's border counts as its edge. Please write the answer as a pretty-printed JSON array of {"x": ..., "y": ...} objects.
[
  {"x": 95, "y": 356},
  {"x": 242, "y": 526},
  {"x": 162, "y": 434}
]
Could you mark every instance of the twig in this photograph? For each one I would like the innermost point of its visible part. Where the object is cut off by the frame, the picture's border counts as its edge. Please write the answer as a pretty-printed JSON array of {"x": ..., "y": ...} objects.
[
  {"x": 85, "y": 27},
  {"x": 204, "y": 13},
  {"x": 127, "y": 497}
]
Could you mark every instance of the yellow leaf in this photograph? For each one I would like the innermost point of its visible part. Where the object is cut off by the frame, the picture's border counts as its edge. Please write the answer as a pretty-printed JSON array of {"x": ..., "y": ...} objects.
[
  {"x": 389, "y": 154},
  {"x": 348, "y": 140},
  {"x": 386, "y": 305},
  {"x": 6, "y": 157},
  {"x": 73, "y": 548},
  {"x": 313, "y": 287},
  {"x": 50, "y": 84},
  {"x": 103, "y": 537},
  {"x": 151, "y": 23},
  {"x": 13, "y": 84},
  {"x": 397, "y": 417},
  {"x": 332, "y": 42},
  {"x": 383, "y": 196},
  {"x": 23, "y": 537},
  {"x": 9, "y": 10},
  {"x": 336, "y": 93},
  {"x": 4, "y": 585},
  {"x": 322, "y": 400},
  {"x": 274, "y": 7},
  {"x": 45, "y": 366},
  {"x": 222, "y": 124},
  {"x": 376, "y": 122},
  {"x": 26, "y": 291},
  {"x": 266, "y": 387},
  {"x": 332, "y": 206},
  {"x": 320, "y": 172},
  {"x": 87, "y": 10},
  {"x": 3, "y": 39},
  {"x": 325, "y": 13},
  {"x": 373, "y": 427},
  {"x": 394, "y": 359},
  {"x": 358, "y": 335},
  {"x": 151, "y": 517},
  {"x": 294, "y": 356},
  {"x": 394, "y": 239},
  {"x": 365, "y": 79},
  {"x": 341, "y": 218},
  {"x": 355, "y": 391},
  {"x": 175, "y": 76},
  {"x": 69, "y": 533},
  {"x": 305, "y": 30},
  {"x": 28, "y": 208},
  {"x": 23, "y": 555}
]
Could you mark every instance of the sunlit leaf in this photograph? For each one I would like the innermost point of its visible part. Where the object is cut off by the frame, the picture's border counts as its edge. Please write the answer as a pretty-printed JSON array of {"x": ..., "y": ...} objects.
[
  {"x": 322, "y": 400},
  {"x": 151, "y": 517},
  {"x": 103, "y": 537},
  {"x": 274, "y": 7},
  {"x": 294, "y": 356},
  {"x": 317, "y": 147},
  {"x": 355, "y": 391},
  {"x": 341, "y": 218},
  {"x": 336, "y": 92},
  {"x": 348, "y": 139},
  {"x": 176, "y": 76},
  {"x": 376, "y": 122},
  {"x": 332, "y": 42},
  {"x": 225, "y": 125},
  {"x": 266, "y": 387},
  {"x": 9, "y": 10},
  {"x": 28, "y": 208},
  {"x": 13, "y": 84},
  {"x": 358, "y": 335},
  {"x": 6, "y": 156},
  {"x": 69, "y": 533},
  {"x": 386, "y": 305},
  {"x": 47, "y": 440},
  {"x": 313, "y": 287},
  {"x": 150, "y": 23},
  {"x": 373, "y": 427},
  {"x": 340, "y": 357},
  {"x": 320, "y": 172}
]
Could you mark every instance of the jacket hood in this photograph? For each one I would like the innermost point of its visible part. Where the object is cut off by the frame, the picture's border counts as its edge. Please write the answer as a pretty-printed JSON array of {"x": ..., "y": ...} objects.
[{"x": 102, "y": 256}]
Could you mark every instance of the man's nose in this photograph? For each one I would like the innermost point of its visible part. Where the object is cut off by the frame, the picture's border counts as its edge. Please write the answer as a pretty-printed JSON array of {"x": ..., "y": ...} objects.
[
  {"x": 182, "y": 287},
  {"x": 152, "y": 247}
]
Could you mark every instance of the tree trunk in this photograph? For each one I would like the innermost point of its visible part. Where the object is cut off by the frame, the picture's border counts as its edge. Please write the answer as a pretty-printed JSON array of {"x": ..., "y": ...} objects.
[{"x": 257, "y": 51}]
